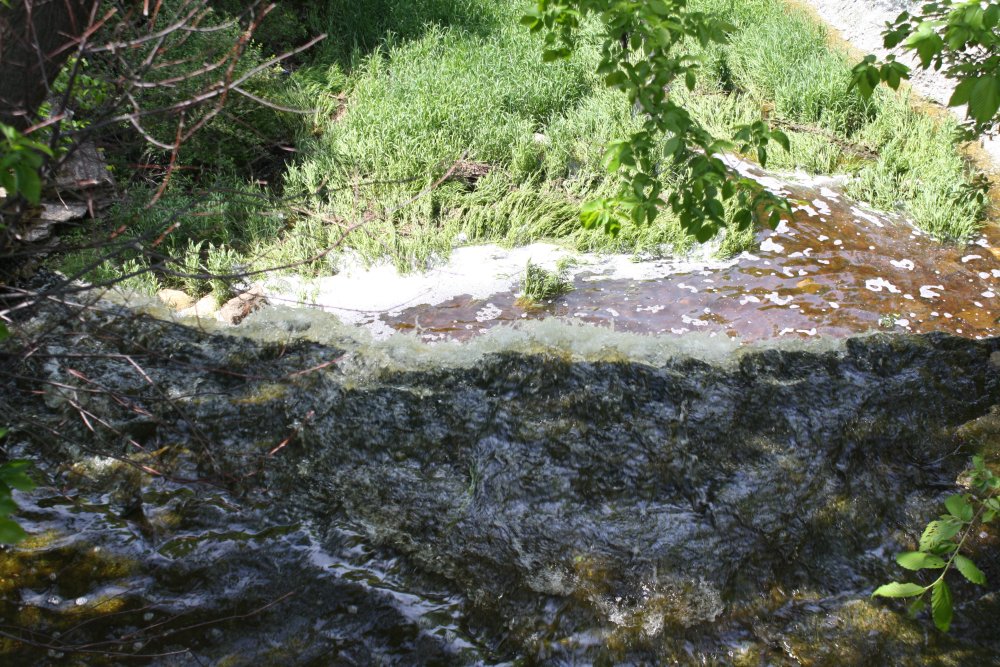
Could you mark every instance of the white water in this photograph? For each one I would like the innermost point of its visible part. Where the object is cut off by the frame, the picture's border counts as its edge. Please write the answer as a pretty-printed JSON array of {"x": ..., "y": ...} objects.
[{"x": 360, "y": 294}]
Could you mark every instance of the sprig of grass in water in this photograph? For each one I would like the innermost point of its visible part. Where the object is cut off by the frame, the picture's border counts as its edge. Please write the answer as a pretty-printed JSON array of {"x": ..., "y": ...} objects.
[
  {"x": 941, "y": 547},
  {"x": 540, "y": 284}
]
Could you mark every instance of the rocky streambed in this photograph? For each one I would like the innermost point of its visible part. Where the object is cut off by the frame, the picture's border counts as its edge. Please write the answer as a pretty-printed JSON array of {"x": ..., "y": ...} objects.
[{"x": 558, "y": 495}]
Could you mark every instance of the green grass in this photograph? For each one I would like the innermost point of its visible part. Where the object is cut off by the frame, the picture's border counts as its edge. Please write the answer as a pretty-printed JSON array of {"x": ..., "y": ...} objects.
[
  {"x": 540, "y": 284},
  {"x": 779, "y": 62},
  {"x": 404, "y": 91}
]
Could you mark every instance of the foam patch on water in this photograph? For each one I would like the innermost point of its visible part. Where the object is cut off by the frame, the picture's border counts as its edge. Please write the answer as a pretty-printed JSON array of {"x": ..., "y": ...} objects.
[{"x": 359, "y": 294}]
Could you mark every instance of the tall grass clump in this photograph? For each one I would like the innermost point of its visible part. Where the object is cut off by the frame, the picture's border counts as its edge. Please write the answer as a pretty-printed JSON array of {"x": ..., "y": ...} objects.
[
  {"x": 191, "y": 233},
  {"x": 467, "y": 95},
  {"x": 780, "y": 64},
  {"x": 501, "y": 146}
]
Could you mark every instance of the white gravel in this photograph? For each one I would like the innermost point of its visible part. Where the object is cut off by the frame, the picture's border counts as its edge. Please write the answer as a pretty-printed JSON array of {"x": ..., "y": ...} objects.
[{"x": 861, "y": 22}]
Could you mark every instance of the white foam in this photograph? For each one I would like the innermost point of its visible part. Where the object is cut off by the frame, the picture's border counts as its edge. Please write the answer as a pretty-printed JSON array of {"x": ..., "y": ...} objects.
[
  {"x": 774, "y": 298},
  {"x": 360, "y": 294},
  {"x": 927, "y": 291},
  {"x": 822, "y": 207},
  {"x": 878, "y": 284},
  {"x": 488, "y": 312},
  {"x": 768, "y": 245},
  {"x": 866, "y": 216}
]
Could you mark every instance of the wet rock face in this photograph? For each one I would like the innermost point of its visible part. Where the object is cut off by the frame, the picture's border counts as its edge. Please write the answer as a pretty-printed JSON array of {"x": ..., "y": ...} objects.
[
  {"x": 689, "y": 488},
  {"x": 586, "y": 510}
]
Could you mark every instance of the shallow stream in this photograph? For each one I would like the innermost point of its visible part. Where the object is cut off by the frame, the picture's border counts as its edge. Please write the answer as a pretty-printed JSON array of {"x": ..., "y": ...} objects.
[
  {"x": 836, "y": 269},
  {"x": 696, "y": 465}
]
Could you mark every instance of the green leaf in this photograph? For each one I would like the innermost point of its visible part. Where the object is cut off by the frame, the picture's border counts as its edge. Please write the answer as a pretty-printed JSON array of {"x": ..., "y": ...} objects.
[
  {"x": 550, "y": 55},
  {"x": 893, "y": 73},
  {"x": 958, "y": 506},
  {"x": 969, "y": 570},
  {"x": 29, "y": 184},
  {"x": 10, "y": 532},
  {"x": 616, "y": 78},
  {"x": 743, "y": 218},
  {"x": 781, "y": 139},
  {"x": 937, "y": 532},
  {"x": 593, "y": 213},
  {"x": 531, "y": 20},
  {"x": 941, "y": 608},
  {"x": 991, "y": 16},
  {"x": 4, "y": 335},
  {"x": 864, "y": 77},
  {"x": 898, "y": 590},
  {"x": 918, "y": 560},
  {"x": 11, "y": 474},
  {"x": 985, "y": 99},
  {"x": 7, "y": 506},
  {"x": 16, "y": 465},
  {"x": 926, "y": 43},
  {"x": 617, "y": 153},
  {"x": 915, "y": 607}
]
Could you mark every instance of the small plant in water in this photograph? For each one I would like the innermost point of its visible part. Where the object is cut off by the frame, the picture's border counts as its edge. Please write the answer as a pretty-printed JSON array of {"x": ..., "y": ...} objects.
[
  {"x": 941, "y": 547},
  {"x": 889, "y": 321},
  {"x": 540, "y": 284}
]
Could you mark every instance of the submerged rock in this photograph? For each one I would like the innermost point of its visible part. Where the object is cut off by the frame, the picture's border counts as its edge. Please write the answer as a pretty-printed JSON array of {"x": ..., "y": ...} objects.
[
  {"x": 236, "y": 309},
  {"x": 176, "y": 299},
  {"x": 543, "y": 508}
]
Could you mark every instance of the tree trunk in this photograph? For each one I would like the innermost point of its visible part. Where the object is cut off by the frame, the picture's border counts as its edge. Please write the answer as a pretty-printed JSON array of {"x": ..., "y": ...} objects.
[{"x": 36, "y": 38}]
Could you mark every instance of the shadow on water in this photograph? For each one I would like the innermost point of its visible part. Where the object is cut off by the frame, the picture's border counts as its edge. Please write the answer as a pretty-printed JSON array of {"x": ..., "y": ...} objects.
[{"x": 296, "y": 503}]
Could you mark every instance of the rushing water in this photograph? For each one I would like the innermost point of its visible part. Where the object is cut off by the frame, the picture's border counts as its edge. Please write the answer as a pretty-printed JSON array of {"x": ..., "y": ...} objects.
[
  {"x": 214, "y": 500},
  {"x": 552, "y": 493}
]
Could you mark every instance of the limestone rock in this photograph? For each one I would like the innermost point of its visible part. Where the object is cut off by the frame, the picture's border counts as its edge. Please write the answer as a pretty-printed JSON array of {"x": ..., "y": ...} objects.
[
  {"x": 84, "y": 168},
  {"x": 59, "y": 211},
  {"x": 237, "y": 308},
  {"x": 206, "y": 305},
  {"x": 176, "y": 299}
]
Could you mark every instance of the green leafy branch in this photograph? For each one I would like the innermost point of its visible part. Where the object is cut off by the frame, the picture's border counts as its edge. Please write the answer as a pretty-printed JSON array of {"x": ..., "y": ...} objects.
[
  {"x": 941, "y": 547},
  {"x": 20, "y": 160},
  {"x": 960, "y": 38},
  {"x": 13, "y": 477},
  {"x": 642, "y": 56}
]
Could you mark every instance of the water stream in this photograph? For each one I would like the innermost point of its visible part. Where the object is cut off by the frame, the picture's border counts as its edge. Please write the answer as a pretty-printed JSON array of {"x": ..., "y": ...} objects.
[
  {"x": 838, "y": 268},
  {"x": 599, "y": 488}
]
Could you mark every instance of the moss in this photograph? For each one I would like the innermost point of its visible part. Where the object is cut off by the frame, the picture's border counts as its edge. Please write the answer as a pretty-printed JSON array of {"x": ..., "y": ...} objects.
[
  {"x": 863, "y": 632},
  {"x": 264, "y": 393}
]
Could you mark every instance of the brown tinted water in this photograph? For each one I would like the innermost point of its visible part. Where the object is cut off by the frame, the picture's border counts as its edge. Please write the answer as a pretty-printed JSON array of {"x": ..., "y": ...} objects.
[{"x": 835, "y": 269}]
